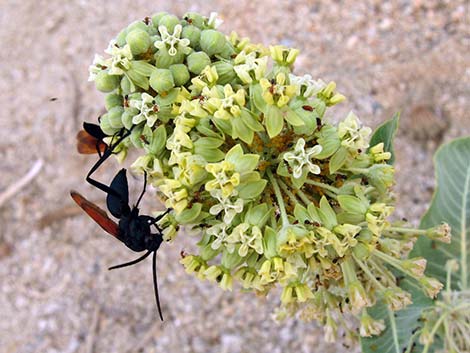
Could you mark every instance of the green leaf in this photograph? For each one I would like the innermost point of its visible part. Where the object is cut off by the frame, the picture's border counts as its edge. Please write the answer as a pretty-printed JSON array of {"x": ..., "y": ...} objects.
[
  {"x": 252, "y": 190},
  {"x": 143, "y": 68},
  {"x": 450, "y": 204},
  {"x": 327, "y": 214},
  {"x": 189, "y": 215},
  {"x": 250, "y": 120},
  {"x": 242, "y": 131},
  {"x": 329, "y": 140},
  {"x": 400, "y": 325},
  {"x": 158, "y": 140},
  {"x": 256, "y": 96},
  {"x": 292, "y": 117},
  {"x": 274, "y": 120},
  {"x": 338, "y": 159},
  {"x": 385, "y": 133},
  {"x": 352, "y": 204},
  {"x": 208, "y": 142}
]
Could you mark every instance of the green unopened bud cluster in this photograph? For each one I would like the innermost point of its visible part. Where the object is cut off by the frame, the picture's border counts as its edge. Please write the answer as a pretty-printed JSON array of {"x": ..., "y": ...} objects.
[{"x": 243, "y": 150}]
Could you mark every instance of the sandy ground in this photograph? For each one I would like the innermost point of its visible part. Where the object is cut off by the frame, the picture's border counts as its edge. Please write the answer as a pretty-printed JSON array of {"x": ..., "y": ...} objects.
[{"x": 55, "y": 292}]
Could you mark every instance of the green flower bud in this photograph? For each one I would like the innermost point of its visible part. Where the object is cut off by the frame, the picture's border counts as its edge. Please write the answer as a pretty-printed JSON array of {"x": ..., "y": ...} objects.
[
  {"x": 106, "y": 126},
  {"x": 127, "y": 117},
  {"x": 193, "y": 34},
  {"x": 121, "y": 38},
  {"x": 137, "y": 25},
  {"x": 164, "y": 60},
  {"x": 194, "y": 18},
  {"x": 197, "y": 62},
  {"x": 157, "y": 17},
  {"x": 112, "y": 100},
  {"x": 227, "y": 51},
  {"x": 126, "y": 86},
  {"x": 212, "y": 41},
  {"x": 169, "y": 21},
  {"x": 180, "y": 74},
  {"x": 136, "y": 137},
  {"x": 225, "y": 71},
  {"x": 105, "y": 82},
  {"x": 161, "y": 80},
  {"x": 138, "y": 40},
  {"x": 115, "y": 117}
]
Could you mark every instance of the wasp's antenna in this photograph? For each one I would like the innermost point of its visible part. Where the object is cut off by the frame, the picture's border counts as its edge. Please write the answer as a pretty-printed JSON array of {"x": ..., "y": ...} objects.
[
  {"x": 143, "y": 190},
  {"x": 155, "y": 286},
  {"x": 131, "y": 262}
]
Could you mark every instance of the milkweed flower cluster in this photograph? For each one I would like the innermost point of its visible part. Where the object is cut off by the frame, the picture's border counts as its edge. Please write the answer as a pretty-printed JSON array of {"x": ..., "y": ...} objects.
[{"x": 241, "y": 148}]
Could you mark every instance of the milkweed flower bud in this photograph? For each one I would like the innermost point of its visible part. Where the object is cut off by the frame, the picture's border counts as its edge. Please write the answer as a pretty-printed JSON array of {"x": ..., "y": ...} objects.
[
  {"x": 370, "y": 327},
  {"x": 197, "y": 61},
  {"x": 138, "y": 40},
  {"x": 180, "y": 74},
  {"x": 105, "y": 82},
  {"x": 161, "y": 80},
  {"x": 212, "y": 41}
]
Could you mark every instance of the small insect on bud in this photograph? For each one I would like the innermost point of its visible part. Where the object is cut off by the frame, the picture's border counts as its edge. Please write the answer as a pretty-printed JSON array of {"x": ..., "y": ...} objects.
[
  {"x": 180, "y": 74},
  {"x": 105, "y": 82},
  {"x": 194, "y": 19},
  {"x": 193, "y": 34},
  {"x": 169, "y": 21},
  {"x": 161, "y": 80},
  {"x": 139, "y": 41},
  {"x": 308, "y": 108},
  {"x": 212, "y": 41},
  {"x": 197, "y": 61}
]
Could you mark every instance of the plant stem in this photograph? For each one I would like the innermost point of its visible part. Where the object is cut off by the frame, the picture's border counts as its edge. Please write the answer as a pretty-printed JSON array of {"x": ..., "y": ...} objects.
[
  {"x": 323, "y": 185},
  {"x": 407, "y": 230},
  {"x": 393, "y": 326},
  {"x": 463, "y": 231},
  {"x": 280, "y": 200},
  {"x": 368, "y": 273},
  {"x": 304, "y": 197},
  {"x": 289, "y": 193}
]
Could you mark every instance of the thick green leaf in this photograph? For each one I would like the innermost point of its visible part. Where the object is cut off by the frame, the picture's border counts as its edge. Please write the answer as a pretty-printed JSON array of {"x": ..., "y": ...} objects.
[
  {"x": 385, "y": 133},
  {"x": 400, "y": 325},
  {"x": 450, "y": 204}
]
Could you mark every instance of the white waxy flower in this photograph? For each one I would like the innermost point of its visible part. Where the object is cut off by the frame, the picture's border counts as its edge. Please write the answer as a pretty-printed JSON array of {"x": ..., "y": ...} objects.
[
  {"x": 312, "y": 87},
  {"x": 230, "y": 208},
  {"x": 248, "y": 236},
  {"x": 301, "y": 157},
  {"x": 220, "y": 232},
  {"x": 352, "y": 134},
  {"x": 99, "y": 64},
  {"x": 247, "y": 63},
  {"x": 173, "y": 41},
  {"x": 148, "y": 109},
  {"x": 120, "y": 58},
  {"x": 214, "y": 21}
]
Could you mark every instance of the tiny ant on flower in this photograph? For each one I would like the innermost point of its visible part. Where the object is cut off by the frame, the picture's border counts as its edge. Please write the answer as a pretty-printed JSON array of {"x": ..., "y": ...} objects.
[{"x": 147, "y": 20}]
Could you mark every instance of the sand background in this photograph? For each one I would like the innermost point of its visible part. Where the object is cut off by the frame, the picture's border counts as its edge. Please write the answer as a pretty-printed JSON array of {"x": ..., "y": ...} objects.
[{"x": 55, "y": 292}]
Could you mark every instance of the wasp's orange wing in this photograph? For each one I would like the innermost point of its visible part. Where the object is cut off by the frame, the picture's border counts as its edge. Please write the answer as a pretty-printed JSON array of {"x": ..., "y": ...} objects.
[
  {"x": 97, "y": 214},
  {"x": 87, "y": 144}
]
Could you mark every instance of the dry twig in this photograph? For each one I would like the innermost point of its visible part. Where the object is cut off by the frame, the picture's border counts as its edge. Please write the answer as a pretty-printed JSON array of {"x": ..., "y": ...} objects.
[{"x": 21, "y": 183}]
